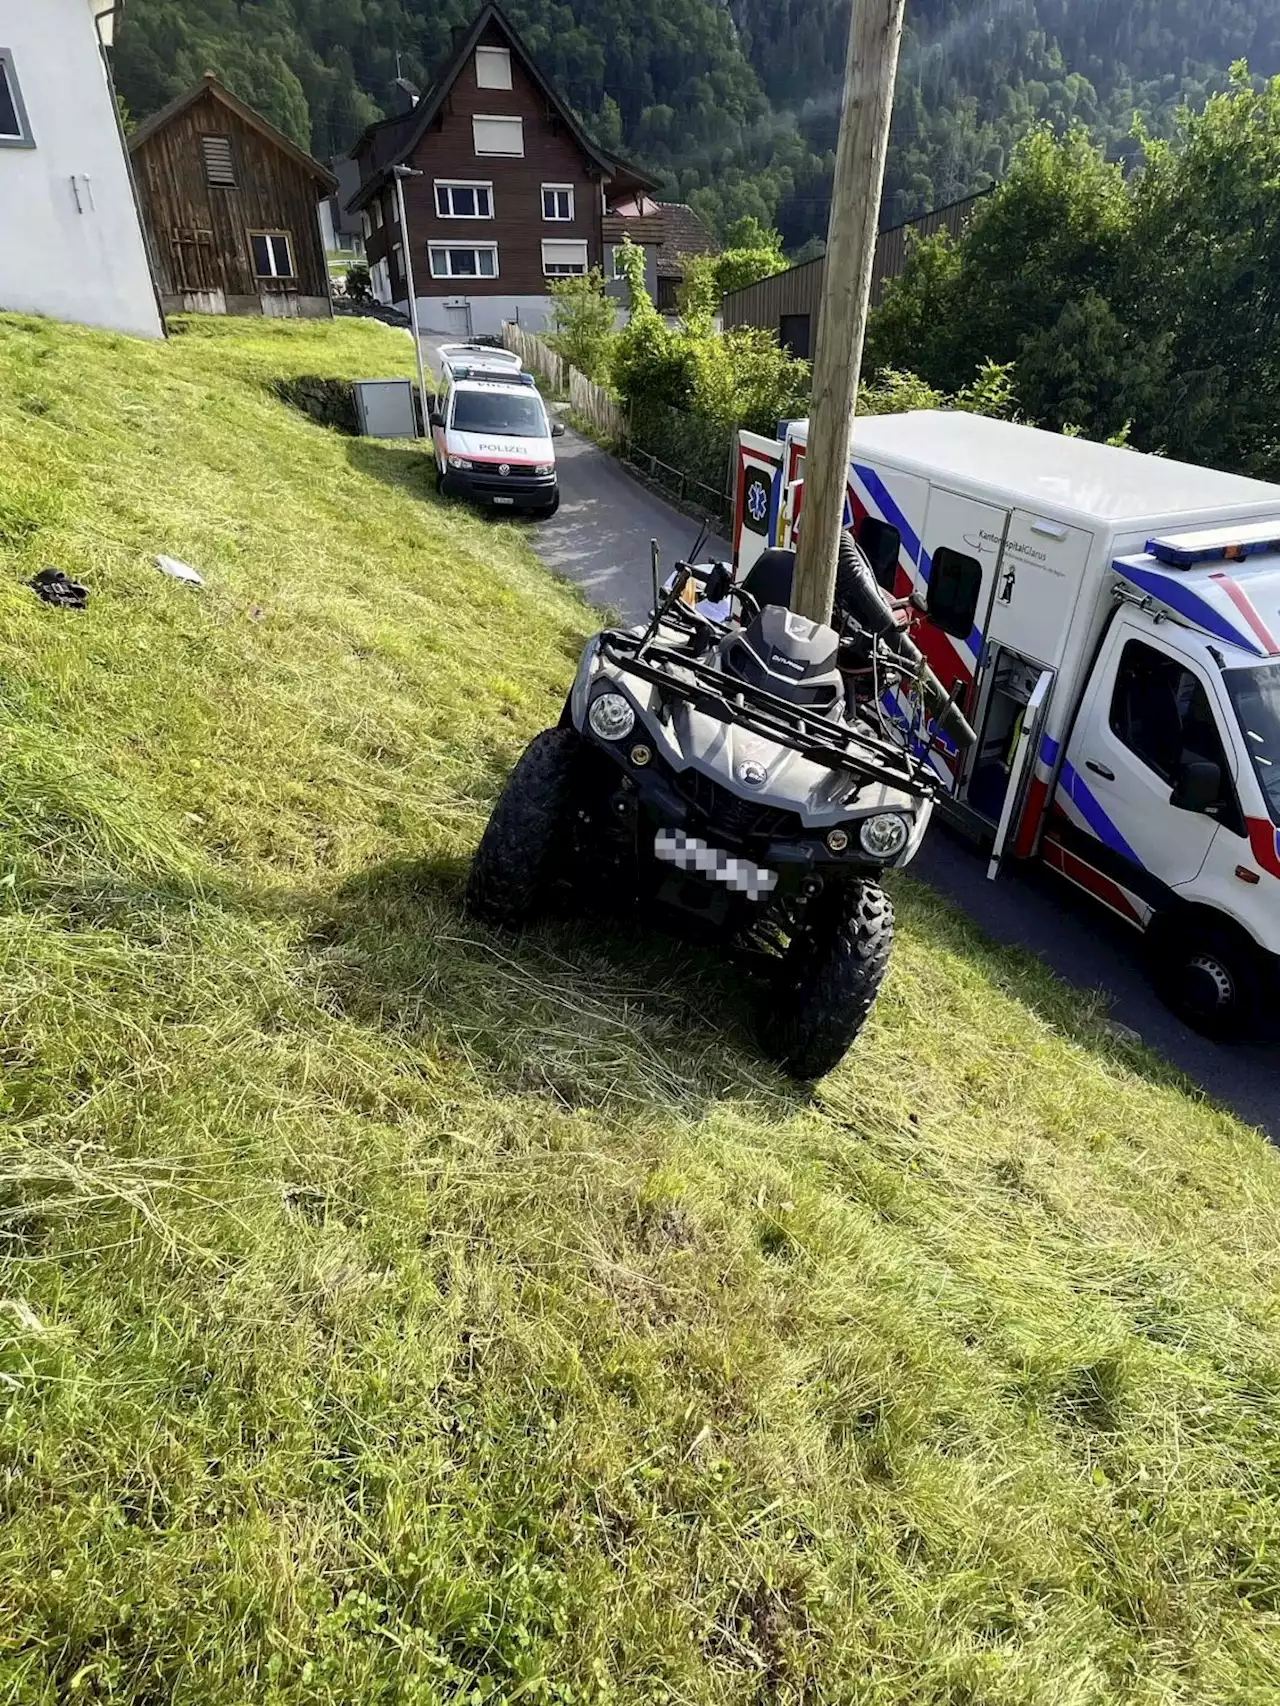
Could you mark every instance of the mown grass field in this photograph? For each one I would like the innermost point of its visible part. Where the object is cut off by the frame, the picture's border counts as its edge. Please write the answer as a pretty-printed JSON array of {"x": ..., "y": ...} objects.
[{"x": 390, "y": 1313}]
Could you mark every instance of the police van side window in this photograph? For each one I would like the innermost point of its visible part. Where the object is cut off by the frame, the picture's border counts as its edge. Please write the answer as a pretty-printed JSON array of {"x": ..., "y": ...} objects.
[{"x": 1161, "y": 712}]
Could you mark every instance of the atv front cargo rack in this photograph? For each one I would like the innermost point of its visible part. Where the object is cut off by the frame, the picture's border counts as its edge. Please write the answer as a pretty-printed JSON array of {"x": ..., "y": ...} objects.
[{"x": 867, "y": 757}]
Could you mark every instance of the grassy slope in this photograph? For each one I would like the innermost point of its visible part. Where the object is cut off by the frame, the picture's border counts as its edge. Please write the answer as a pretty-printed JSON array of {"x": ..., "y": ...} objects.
[{"x": 389, "y": 1313}]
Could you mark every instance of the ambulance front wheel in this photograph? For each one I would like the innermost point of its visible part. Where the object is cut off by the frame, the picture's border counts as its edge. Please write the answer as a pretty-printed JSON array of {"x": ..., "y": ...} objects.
[{"x": 1209, "y": 974}]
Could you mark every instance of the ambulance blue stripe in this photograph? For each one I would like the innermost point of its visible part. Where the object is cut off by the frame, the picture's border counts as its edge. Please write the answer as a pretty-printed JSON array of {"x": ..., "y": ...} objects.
[
  {"x": 1180, "y": 597},
  {"x": 888, "y": 509},
  {"x": 1049, "y": 751},
  {"x": 915, "y": 550},
  {"x": 1094, "y": 816}
]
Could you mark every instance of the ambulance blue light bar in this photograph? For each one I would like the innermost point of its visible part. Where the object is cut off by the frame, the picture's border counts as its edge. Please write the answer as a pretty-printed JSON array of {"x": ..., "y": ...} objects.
[{"x": 1230, "y": 544}]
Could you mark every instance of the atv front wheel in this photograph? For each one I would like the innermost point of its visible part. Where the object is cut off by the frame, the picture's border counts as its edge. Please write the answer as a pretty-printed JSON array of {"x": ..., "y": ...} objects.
[
  {"x": 529, "y": 836},
  {"x": 829, "y": 978}
]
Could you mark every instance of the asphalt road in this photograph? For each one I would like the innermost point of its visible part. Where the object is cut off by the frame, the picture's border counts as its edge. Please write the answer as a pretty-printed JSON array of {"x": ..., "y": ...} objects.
[
  {"x": 600, "y": 535},
  {"x": 600, "y": 539}
]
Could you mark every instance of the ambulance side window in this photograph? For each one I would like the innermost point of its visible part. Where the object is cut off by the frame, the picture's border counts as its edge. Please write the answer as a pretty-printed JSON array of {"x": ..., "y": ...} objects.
[
  {"x": 955, "y": 583},
  {"x": 882, "y": 544},
  {"x": 1161, "y": 712}
]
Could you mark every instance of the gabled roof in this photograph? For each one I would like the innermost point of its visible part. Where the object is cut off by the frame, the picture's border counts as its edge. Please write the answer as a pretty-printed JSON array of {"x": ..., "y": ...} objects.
[
  {"x": 685, "y": 234},
  {"x": 210, "y": 86},
  {"x": 428, "y": 108}
]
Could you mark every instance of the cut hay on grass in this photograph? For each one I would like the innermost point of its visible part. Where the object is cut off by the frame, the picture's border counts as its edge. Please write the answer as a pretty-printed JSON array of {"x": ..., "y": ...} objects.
[{"x": 393, "y": 1313}]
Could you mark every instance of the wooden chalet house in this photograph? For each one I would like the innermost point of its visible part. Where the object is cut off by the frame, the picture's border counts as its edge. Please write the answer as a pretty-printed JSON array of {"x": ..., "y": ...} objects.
[
  {"x": 513, "y": 194},
  {"x": 232, "y": 207}
]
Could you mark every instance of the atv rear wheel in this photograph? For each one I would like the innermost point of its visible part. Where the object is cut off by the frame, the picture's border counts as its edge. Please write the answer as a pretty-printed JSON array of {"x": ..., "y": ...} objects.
[
  {"x": 828, "y": 981},
  {"x": 528, "y": 839}
]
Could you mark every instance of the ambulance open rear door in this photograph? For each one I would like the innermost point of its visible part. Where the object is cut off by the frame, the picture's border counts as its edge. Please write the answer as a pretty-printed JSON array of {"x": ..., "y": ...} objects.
[{"x": 1022, "y": 772}]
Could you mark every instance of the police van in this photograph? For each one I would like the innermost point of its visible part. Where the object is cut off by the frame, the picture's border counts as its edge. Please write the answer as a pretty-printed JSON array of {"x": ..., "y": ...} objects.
[
  {"x": 1110, "y": 624},
  {"x": 491, "y": 432}
]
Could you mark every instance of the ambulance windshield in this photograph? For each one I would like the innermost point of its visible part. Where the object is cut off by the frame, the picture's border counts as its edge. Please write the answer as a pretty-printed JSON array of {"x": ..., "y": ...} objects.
[{"x": 1255, "y": 693}]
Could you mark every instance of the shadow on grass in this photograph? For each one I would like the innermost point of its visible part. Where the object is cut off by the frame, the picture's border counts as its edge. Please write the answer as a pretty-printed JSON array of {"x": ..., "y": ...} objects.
[
  {"x": 590, "y": 1011},
  {"x": 408, "y": 464},
  {"x": 598, "y": 1010}
]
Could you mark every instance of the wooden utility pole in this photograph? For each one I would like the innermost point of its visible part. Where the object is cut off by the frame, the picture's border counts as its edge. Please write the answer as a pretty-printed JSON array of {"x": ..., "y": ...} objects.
[{"x": 871, "y": 69}]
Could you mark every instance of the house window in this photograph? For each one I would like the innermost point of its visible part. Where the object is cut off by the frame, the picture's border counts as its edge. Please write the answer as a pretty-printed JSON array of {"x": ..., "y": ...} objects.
[
  {"x": 478, "y": 260},
  {"x": 464, "y": 200},
  {"x": 557, "y": 201},
  {"x": 272, "y": 254},
  {"x": 377, "y": 213},
  {"x": 219, "y": 167},
  {"x": 493, "y": 67},
  {"x": 560, "y": 259},
  {"x": 366, "y": 225},
  {"x": 398, "y": 252},
  {"x": 15, "y": 132},
  {"x": 494, "y": 134}
]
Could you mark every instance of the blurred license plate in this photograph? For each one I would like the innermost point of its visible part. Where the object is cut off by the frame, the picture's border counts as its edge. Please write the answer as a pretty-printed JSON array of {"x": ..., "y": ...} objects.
[
  {"x": 687, "y": 853},
  {"x": 504, "y": 500}
]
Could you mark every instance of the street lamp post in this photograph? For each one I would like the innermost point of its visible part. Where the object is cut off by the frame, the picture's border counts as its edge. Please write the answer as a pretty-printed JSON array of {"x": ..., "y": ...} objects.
[{"x": 400, "y": 173}]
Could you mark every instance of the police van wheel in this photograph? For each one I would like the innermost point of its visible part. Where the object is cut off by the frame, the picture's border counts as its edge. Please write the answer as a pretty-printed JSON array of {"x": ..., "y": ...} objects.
[{"x": 1208, "y": 975}]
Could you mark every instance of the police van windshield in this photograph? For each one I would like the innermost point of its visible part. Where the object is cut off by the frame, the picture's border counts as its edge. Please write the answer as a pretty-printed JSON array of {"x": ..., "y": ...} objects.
[
  {"x": 1255, "y": 693},
  {"x": 495, "y": 411}
]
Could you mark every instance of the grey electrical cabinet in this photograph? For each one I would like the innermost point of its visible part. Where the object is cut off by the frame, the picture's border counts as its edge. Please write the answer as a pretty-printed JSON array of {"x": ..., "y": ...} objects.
[{"x": 385, "y": 408}]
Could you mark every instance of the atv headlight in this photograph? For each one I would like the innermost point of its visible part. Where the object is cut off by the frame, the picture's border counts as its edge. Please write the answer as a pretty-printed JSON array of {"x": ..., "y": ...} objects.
[
  {"x": 611, "y": 716},
  {"x": 461, "y": 462},
  {"x": 885, "y": 835}
]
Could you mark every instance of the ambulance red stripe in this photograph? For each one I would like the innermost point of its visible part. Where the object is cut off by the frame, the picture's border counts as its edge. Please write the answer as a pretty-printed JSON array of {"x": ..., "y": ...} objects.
[{"x": 1245, "y": 605}]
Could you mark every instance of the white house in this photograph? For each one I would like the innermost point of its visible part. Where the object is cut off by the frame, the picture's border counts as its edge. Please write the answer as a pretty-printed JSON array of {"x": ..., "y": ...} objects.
[{"x": 71, "y": 243}]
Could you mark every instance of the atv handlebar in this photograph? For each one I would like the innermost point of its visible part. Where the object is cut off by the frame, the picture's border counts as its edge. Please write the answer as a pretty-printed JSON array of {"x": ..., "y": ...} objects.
[{"x": 867, "y": 608}]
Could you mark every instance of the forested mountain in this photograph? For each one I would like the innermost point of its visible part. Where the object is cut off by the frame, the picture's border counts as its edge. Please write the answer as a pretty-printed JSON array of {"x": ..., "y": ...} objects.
[{"x": 736, "y": 104}]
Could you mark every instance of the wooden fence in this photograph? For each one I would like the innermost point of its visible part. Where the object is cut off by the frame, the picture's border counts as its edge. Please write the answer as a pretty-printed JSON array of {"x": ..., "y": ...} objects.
[{"x": 587, "y": 399}]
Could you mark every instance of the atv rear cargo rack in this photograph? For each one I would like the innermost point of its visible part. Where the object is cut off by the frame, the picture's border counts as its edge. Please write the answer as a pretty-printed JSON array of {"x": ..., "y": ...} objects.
[{"x": 867, "y": 757}]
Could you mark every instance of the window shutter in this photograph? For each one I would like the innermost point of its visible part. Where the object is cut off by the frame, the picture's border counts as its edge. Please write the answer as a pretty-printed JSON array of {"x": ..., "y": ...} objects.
[
  {"x": 219, "y": 167},
  {"x": 493, "y": 68},
  {"x": 563, "y": 256},
  {"x": 494, "y": 135}
]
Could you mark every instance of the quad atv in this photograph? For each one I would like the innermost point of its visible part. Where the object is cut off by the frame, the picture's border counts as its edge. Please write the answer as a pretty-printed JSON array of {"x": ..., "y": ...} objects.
[{"x": 744, "y": 771}]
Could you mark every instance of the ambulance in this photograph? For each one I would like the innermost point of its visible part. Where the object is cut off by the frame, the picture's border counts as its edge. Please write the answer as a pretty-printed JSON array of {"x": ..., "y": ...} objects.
[
  {"x": 491, "y": 432},
  {"x": 1110, "y": 624}
]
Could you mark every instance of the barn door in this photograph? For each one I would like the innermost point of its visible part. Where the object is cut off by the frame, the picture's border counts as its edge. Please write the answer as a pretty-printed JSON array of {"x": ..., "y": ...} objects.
[{"x": 193, "y": 261}]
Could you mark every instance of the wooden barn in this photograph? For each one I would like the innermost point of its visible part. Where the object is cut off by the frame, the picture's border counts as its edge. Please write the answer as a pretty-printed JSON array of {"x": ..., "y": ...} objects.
[{"x": 232, "y": 208}]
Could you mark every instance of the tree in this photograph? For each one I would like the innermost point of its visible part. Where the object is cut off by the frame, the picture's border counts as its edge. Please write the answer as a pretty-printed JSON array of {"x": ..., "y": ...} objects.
[
  {"x": 583, "y": 318},
  {"x": 1203, "y": 280},
  {"x": 732, "y": 106},
  {"x": 749, "y": 233}
]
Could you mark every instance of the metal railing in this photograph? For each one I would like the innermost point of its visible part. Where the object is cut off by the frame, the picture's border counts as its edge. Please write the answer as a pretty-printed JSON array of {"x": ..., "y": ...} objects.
[{"x": 681, "y": 485}]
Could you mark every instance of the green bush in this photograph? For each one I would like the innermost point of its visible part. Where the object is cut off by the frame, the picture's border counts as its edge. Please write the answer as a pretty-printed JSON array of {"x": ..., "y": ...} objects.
[
  {"x": 741, "y": 378},
  {"x": 583, "y": 318}
]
